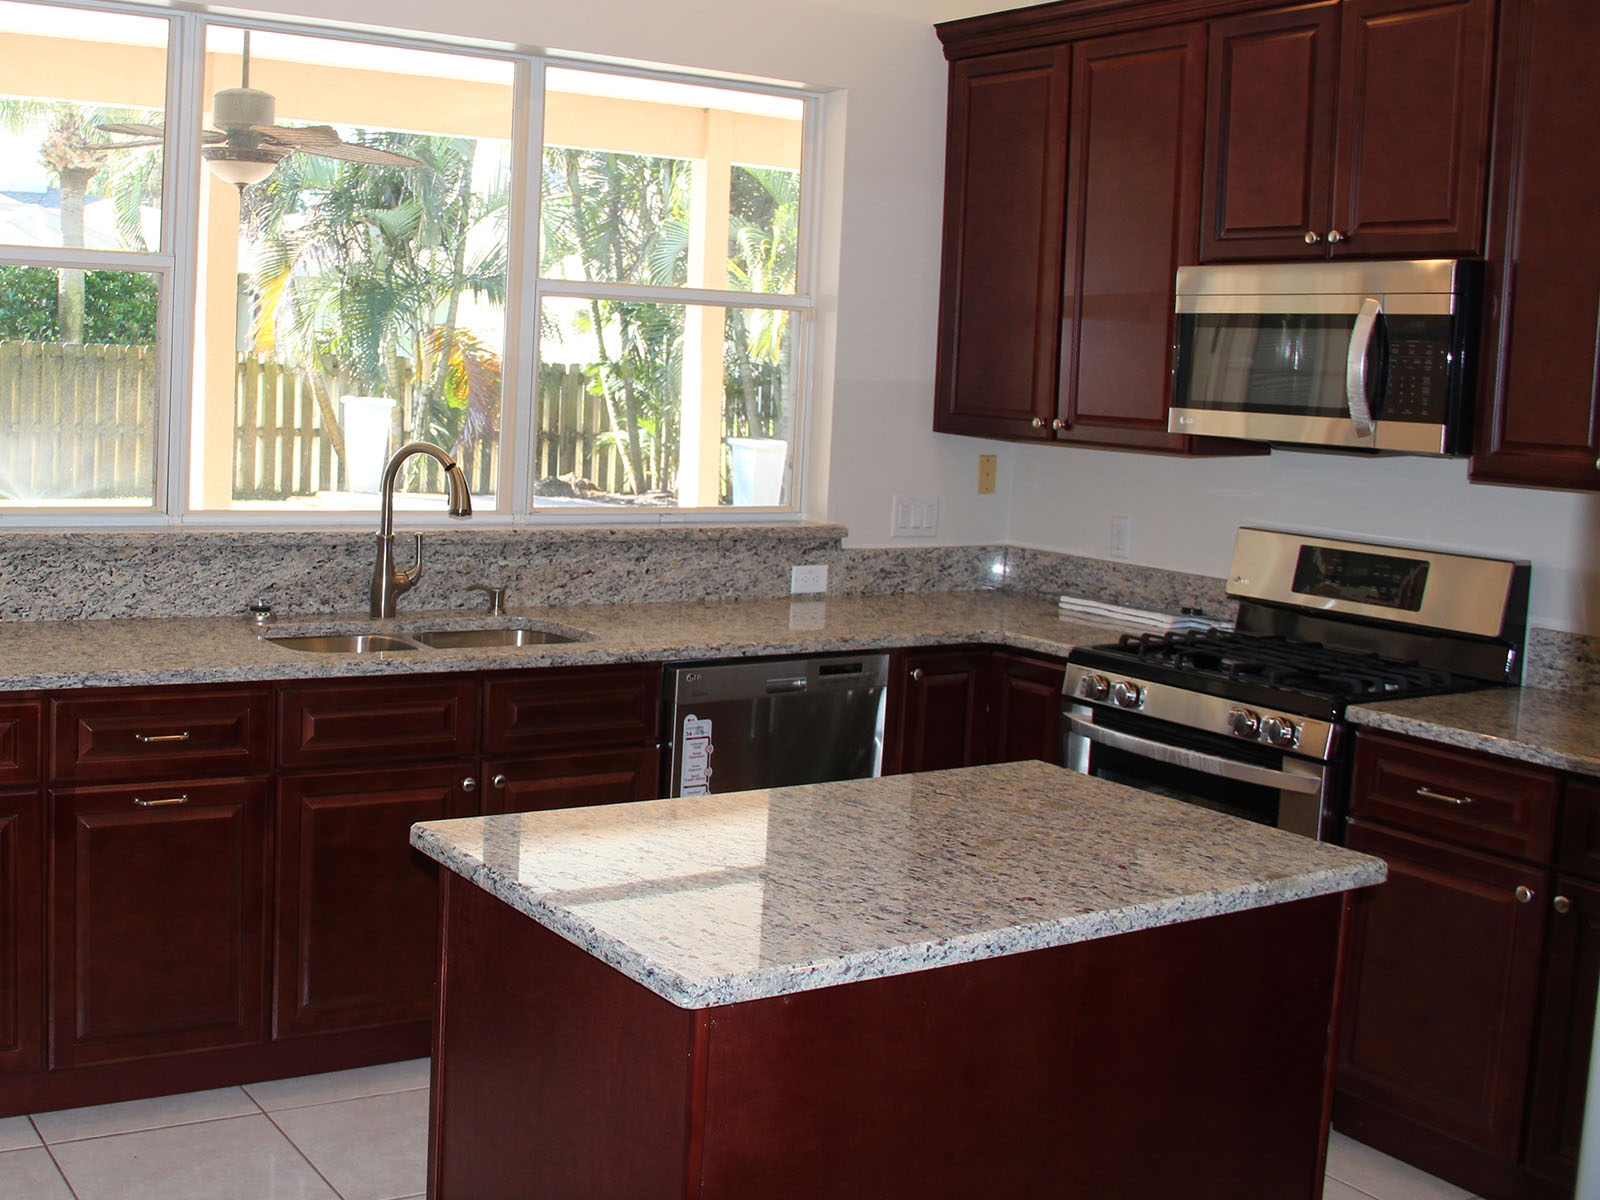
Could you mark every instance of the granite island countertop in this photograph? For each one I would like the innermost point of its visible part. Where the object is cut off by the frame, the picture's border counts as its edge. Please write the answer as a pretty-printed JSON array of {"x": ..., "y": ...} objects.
[
  {"x": 719, "y": 899},
  {"x": 1552, "y": 728},
  {"x": 133, "y": 652}
]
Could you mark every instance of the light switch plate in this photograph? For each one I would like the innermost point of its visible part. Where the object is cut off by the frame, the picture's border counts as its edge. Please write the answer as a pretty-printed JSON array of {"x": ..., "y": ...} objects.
[
  {"x": 808, "y": 580},
  {"x": 912, "y": 517},
  {"x": 1122, "y": 538},
  {"x": 987, "y": 470}
]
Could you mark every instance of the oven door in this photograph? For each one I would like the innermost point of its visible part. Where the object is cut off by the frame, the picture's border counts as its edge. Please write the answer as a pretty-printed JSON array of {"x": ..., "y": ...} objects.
[{"x": 1242, "y": 779}]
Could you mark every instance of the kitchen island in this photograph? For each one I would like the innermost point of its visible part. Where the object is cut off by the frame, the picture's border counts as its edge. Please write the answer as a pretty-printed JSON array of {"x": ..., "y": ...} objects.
[{"x": 998, "y": 981}]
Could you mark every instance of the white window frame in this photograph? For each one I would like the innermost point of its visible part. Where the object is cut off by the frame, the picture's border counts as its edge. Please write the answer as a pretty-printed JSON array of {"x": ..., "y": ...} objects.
[{"x": 175, "y": 264}]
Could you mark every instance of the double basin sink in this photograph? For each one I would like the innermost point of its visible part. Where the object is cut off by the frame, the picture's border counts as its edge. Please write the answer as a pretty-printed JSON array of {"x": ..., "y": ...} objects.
[{"x": 501, "y": 636}]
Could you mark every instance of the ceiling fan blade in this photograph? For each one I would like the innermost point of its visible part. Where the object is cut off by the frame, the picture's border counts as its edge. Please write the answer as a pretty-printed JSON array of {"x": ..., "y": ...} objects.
[
  {"x": 137, "y": 144},
  {"x": 207, "y": 136},
  {"x": 370, "y": 155},
  {"x": 299, "y": 135},
  {"x": 133, "y": 128}
]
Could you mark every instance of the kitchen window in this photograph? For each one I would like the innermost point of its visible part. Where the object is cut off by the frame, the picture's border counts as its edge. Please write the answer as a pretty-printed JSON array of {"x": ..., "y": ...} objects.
[{"x": 242, "y": 261}]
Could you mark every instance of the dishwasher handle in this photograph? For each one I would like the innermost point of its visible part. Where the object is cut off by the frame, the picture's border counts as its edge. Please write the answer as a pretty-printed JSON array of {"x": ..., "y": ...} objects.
[{"x": 792, "y": 683}]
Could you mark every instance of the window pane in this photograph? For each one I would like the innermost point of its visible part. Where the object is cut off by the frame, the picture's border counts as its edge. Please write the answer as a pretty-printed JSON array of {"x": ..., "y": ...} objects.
[
  {"x": 650, "y": 182},
  {"x": 78, "y": 417},
  {"x": 664, "y": 405},
  {"x": 81, "y": 121},
  {"x": 351, "y": 300}
]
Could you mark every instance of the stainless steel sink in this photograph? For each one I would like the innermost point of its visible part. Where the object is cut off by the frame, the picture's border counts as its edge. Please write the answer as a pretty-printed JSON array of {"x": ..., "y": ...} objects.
[
  {"x": 450, "y": 639},
  {"x": 346, "y": 643}
]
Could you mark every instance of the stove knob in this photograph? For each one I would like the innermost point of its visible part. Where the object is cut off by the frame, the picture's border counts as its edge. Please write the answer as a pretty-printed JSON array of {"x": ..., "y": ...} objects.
[
  {"x": 1278, "y": 731},
  {"x": 1094, "y": 687},
  {"x": 1244, "y": 723},
  {"x": 1125, "y": 694}
]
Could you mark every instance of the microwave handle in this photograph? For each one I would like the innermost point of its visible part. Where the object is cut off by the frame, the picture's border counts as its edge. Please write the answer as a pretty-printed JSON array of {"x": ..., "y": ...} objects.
[
  {"x": 1355, "y": 366},
  {"x": 1208, "y": 764}
]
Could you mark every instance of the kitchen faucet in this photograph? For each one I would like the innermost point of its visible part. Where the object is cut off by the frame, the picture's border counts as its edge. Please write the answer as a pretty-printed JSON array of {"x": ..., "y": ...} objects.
[{"x": 388, "y": 583}]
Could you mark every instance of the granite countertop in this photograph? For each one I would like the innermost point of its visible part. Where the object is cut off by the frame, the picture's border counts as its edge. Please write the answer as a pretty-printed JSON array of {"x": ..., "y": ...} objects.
[
  {"x": 719, "y": 899},
  {"x": 128, "y": 652},
  {"x": 1536, "y": 725}
]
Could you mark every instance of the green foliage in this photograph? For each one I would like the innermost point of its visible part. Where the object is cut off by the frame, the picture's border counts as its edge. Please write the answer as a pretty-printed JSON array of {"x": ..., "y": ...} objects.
[{"x": 119, "y": 307}]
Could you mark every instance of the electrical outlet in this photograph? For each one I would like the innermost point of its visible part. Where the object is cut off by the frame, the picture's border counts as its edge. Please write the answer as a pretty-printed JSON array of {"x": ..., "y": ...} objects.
[
  {"x": 1122, "y": 538},
  {"x": 808, "y": 580},
  {"x": 914, "y": 517},
  {"x": 987, "y": 470}
]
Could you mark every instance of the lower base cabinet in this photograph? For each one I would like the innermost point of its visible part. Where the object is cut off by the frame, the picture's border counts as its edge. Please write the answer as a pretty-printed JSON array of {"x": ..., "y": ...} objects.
[
  {"x": 158, "y": 919},
  {"x": 357, "y": 911},
  {"x": 615, "y": 775},
  {"x": 962, "y": 708},
  {"x": 21, "y": 931}
]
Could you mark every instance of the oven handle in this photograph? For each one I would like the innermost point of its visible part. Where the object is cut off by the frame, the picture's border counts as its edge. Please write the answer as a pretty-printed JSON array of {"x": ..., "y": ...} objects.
[
  {"x": 1355, "y": 366},
  {"x": 1209, "y": 764}
]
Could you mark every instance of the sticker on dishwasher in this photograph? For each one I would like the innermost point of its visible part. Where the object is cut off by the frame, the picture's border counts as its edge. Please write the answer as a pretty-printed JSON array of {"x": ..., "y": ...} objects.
[{"x": 694, "y": 778}]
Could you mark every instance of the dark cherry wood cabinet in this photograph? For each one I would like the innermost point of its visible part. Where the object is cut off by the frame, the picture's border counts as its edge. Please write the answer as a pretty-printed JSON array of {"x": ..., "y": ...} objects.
[
  {"x": 943, "y": 710},
  {"x": 21, "y": 930},
  {"x": 1349, "y": 128},
  {"x": 614, "y": 775},
  {"x": 19, "y": 743},
  {"x": 357, "y": 907},
  {"x": 1539, "y": 390},
  {"x": 1025, "y": 714},
  {"x": 568, "y": 708},
  {"x": 157, "y": 920},
  {"x": 378, "y": 721},
  {"x": 1005, "y": 203},
  {"x": 164, "y": 733}
]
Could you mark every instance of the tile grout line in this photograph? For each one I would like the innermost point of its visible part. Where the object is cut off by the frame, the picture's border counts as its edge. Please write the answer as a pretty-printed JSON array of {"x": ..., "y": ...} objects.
[
  {"x": 284, "y": 1134},
  {"x": 54, "y": 1161}
]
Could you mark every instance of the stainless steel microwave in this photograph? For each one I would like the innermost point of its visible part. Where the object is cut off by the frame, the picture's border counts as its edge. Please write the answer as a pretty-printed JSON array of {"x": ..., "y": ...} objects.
[{"x": 1347, "y": 355}]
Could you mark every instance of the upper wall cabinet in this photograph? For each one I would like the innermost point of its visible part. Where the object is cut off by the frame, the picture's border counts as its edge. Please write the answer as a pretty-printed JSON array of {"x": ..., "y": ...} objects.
[
  {"x": 1005, "y": 199},
  {"x": 1539, "y": 403},
  {"x": 1351, "y": 128}
]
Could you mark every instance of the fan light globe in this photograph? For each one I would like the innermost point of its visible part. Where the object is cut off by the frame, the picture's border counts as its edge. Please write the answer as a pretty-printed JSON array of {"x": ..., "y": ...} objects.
[{"x": 242, "y": 172}]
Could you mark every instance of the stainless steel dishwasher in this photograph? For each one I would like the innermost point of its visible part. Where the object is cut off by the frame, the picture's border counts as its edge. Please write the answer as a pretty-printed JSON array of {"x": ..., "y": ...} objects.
[{"x": 752, "y": 724}]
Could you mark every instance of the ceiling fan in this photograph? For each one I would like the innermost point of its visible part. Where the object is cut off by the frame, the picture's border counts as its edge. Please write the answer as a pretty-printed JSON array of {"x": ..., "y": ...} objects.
[{"x": 247, "y": 144}]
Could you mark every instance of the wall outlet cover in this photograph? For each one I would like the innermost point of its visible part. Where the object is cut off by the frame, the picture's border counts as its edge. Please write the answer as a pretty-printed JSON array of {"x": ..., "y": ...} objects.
[
  {"x": 987, "y": 470},
  {"x": 1122, "y": 538},
  {"x": 808, "y": 580}
]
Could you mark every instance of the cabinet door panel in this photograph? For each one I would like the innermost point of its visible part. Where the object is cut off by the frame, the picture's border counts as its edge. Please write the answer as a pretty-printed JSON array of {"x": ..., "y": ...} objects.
[
  {"x": 564, "y": 709},
  {"x": 1138, "y": 116},
  {"x": 615, "y": 776},
  {"x": 1005, "y": 197},
  {"x": 157, "y": 920},
  {"x": 1026, "y": 713},
  {"x": 1412, "y": 162},
  {"x": 378, "y": 721},
  {"x": 21, "y": 931},
  {"x": 19, "y": 743},
  {"x": 1270, "y": 109},
  {"x": 1539, "y": 419},
  {"x": 1578, "y": 845},
  {"x": 166, "y": 734},
  {"x": 944, "y": 711},
  {"x": 1566, "y": 1032},
  {"x": 357, "y": 939},
  {"x": 1439, "y": 1000}
]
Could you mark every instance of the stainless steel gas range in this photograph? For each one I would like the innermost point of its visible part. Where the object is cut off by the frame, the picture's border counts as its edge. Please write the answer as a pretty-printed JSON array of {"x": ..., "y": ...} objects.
[{"x": 1250, "y": 721}]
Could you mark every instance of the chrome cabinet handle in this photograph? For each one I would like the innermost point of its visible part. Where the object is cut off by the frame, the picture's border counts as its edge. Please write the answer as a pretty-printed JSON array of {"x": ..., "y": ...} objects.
[
  {"x": 1562, "y": 905},
  {"x": 1038, "y": 422},
  {"x": 1058, "y": 424},
  {"x": 1429, "y": 794},
  {"x": 916, "y": 674},
  {"x": 1335, "y": 236},
  {"x": 1312, "y": 237},
  {"x": 143, "y": 803},
  {"x": 1524, "y": 893},
  {"x": 151, "y": 738},
  {"x": 499, "y": 781},
  {"x": 469, "y": 784}
]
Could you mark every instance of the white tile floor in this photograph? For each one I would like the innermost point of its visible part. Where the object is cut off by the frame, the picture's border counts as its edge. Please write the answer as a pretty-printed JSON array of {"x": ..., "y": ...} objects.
[{"x": 352, "y": 1135}]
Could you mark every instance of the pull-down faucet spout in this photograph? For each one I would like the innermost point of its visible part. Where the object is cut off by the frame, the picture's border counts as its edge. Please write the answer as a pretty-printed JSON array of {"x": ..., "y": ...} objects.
[{"x": 388, "y": 583}]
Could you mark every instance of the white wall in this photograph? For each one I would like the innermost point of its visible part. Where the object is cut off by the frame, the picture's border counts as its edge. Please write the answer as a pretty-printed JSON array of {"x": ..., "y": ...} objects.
[{"x": 1185, "y": 512}]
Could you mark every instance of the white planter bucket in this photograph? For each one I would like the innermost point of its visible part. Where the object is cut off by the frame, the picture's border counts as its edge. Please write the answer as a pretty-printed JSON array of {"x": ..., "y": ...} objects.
[
  {"x": 367, "y": 421},
  {"x": 756, "y": 465}
]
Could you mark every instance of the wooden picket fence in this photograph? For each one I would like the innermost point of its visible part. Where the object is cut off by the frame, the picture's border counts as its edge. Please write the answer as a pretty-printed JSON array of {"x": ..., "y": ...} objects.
[{"x": 77, "y": 422}]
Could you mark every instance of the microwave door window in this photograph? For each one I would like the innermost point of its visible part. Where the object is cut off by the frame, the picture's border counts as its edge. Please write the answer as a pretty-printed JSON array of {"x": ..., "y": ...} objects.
[{"x": 1291, "y": 363}]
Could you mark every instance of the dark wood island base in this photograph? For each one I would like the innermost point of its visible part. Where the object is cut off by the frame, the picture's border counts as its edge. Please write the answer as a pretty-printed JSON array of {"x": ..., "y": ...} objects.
[{"x": 1185, "y": 1061}]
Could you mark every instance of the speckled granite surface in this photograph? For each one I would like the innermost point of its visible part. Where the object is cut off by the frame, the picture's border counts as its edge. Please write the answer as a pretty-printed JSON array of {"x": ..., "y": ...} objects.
[
  {"x": 721, "y": 899},
  {"x": 1537, "y": 725},
  {"x": 69, "y": 654}
]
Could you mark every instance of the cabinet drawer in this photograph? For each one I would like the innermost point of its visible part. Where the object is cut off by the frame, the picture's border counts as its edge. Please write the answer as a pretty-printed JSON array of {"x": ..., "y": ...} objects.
[
  {"x": 1579, "y": 844},
  {"x": 1470, "y": 799},
  {"x": 578, "y": 706},
  {"x": 161, "y": 736},
  {"x": 590, "y": 777},
  {"x": 19, "y": 743},
  {"x": 377, "y": 721}
]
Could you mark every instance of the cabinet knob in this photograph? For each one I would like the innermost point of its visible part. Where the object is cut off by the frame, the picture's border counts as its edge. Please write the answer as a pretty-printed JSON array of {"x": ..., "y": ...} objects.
[
  {"x": 916, "y": 674},
  {"x": 1335, "y": 236},
  {"x": 499, "y": 781},
  {"x": 1038, "y": 422},
  {"x": 1312, "y": 237},
  {"x": 1562, "y": 905},
  {"x": 1058, "y": 424},
  {"x": 1524, "y": 893},
  {"x": 469, "y": 784}
]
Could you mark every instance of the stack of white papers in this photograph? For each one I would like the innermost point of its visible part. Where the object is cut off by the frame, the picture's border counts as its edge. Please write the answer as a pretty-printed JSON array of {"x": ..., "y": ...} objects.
[{"x": 1135, "y": 620}]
